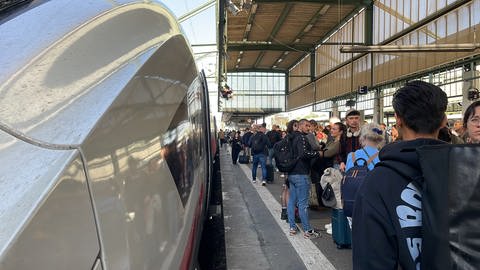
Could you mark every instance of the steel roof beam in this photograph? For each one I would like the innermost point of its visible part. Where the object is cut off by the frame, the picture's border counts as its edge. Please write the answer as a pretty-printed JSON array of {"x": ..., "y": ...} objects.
[
  {"x": 270, "y": 47},
  {"x": 312, "y": 21},
  {"x": 276, "y": 28}
]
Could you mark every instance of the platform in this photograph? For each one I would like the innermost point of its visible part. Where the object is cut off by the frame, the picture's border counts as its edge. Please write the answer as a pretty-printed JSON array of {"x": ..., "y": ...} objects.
[{"x": 256, "y": 237}]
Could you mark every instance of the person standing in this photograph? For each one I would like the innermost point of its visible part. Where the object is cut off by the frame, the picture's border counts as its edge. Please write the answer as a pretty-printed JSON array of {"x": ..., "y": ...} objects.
[
  {"x": 245, "y": 140},
  {"x": 471, "y": 123},
  {"x": 350, "y": 139},
  {"x": 387, "y": 217},
  {"x": 236, "y": 147},
  {"x": 259, "y": 143},
  {"x": 274, "y": 136},
  {"x": 299, "y": 180},
  {"x": 221, "y": 136}
]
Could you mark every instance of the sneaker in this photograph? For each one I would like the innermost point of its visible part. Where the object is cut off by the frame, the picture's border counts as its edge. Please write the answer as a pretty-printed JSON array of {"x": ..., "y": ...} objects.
[
  {"x": 329, "y": 231},
  {"x": 311, "y": 234},
  {"x": 328, "y": 226},
  {"x": 293, "y": 231},
  {"x": 254, "y": 181},
  {"x": 264, "y": 183},
  {"x": 283, "y": 216},
  {"x": 282, "y": 175}
]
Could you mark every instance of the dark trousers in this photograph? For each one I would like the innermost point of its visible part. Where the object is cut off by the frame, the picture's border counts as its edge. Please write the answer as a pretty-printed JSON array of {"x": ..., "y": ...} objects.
[{"x": 235, "y": 153}]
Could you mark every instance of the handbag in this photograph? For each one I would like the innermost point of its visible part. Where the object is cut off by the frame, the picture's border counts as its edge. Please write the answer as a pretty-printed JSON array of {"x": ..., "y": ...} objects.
[{"x": 328, "y": 196}]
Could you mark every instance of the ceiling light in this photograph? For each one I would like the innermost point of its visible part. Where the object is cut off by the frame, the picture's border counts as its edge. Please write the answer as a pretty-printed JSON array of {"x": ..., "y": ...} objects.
[
  {"x": 232, "y": 8},
  {"x": 241, "y": 52},
  {"x": 247, "y": 4},
  {"x": 324, "y": 9},
  {"x": 249, "y": 26},
  {"x": 285, "y": 53},
  {"x": 279, "y": 60},
  {"x": 297, "y": 40},
  {"x": 239, "y": 59},
  {"x": 308, "y": 27}
]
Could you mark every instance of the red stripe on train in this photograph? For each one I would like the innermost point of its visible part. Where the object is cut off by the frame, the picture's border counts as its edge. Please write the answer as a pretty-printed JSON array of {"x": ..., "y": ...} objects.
[{"x": 187, "y": 255}]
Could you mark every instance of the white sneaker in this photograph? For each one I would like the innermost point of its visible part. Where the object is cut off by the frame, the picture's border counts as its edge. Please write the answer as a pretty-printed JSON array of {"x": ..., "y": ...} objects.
[
  {"x": 264, "y": 183},
  {"x": 254, "y": 181},
  {"x": 282, "y": 175},
  {"x": 329, "y": 231},
  {"x": 328, "y": 226}
]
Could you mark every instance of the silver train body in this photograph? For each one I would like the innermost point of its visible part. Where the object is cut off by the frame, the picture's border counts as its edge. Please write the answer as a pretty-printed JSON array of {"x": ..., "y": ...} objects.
[{"x": 105, "y": 147}]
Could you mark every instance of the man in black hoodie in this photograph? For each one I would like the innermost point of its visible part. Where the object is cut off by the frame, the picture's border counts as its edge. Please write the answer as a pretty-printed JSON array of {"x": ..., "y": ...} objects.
[{"x": 387, "y": 218}]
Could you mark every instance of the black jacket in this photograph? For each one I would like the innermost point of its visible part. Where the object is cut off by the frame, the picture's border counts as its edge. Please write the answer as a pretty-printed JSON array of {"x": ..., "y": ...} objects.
[
  {"x": 303, "y": 151},
  {"x": 259, "y": 143},
  {"x": 387, "y": 218}
]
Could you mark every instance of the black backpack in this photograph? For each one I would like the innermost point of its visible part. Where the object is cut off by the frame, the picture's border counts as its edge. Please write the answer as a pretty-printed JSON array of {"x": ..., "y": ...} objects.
[
  {"x": 283, "y": 154},
  {"x": 352, "y": 181},
  {"x": 258, "y": 143}
]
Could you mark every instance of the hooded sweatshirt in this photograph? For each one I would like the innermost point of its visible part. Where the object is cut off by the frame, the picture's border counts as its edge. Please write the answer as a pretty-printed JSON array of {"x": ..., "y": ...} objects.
[{"x": 387, "y": 218}]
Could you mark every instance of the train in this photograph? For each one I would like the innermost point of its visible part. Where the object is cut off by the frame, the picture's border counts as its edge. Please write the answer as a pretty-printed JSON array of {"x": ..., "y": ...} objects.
[{"x": 107, "y": 143}]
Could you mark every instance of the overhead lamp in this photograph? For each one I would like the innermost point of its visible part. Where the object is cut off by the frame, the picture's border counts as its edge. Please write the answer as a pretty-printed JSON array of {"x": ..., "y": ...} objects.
[
  {"x": 241, "y": 52},
  {"x": 466, "y": 47},
  {"x": 249, "y": 26},
  {"x": 308, "y": 27},
  {"x": 324, "y": 9},
  {"x": 232, "y": 8},
  {"x": 297, "y": 40},
  {"x": 246, "y": 4}
]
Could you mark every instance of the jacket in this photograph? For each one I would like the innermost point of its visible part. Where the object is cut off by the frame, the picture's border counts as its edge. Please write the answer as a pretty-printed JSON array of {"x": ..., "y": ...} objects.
[
  {"x": 387, "y": 218},
  {"x": 303, "y": 151},
  {"x": 259, "y": 143}
]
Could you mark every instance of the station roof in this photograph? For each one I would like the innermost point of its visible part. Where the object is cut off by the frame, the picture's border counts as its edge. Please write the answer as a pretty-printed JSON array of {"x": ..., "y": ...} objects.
[{"x": 274, "y": 35}]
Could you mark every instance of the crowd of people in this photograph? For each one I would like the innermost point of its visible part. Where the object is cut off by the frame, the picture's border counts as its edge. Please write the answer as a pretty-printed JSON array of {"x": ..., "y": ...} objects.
[{"x": 383, "y": 233}]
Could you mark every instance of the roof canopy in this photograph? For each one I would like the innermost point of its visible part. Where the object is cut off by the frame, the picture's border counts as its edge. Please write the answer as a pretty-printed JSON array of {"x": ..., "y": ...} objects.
[{"x": 268, "y": 35}]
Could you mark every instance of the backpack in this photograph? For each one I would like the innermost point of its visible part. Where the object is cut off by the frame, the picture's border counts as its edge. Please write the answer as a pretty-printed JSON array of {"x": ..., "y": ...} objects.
[
  {"x": 258, "y": 145},
  {"x": 283, "y": 154},
  {"x": 352, "y": 181}
]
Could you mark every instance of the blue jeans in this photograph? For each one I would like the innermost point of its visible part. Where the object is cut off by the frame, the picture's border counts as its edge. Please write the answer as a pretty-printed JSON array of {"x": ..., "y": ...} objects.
[
  {"x": 299, "y": 192},
  {"x": 271, "y": 160},
  {"x": 256, "y": 159}
]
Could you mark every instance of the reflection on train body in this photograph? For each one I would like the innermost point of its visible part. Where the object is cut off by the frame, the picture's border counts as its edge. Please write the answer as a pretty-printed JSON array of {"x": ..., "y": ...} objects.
[{"x": 123, "y": 182}]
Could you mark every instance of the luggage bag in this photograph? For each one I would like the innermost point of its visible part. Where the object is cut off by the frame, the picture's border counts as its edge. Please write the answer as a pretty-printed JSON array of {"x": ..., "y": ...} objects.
[
  {"x": 341, "y": 233},
  {"x": 243, "y": 158}
]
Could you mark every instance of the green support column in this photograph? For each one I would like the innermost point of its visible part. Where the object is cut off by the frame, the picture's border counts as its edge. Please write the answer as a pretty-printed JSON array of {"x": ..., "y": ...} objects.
[
  {"x": 287, "y": 82},
  {"x": 369, "y": 24}
]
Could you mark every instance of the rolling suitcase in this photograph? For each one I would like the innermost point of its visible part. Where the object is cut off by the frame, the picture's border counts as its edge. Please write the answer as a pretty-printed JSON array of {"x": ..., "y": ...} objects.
[
  {"x": 341, "y": 233},
  {"x": 270, "y": 173}
]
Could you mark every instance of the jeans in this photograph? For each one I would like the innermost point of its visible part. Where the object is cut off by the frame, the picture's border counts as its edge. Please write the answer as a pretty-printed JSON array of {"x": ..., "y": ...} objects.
[
  {"x": 299, "y": 192},
  {"x": 271, "y": 160},
  {"x": 256, "y": 159}
]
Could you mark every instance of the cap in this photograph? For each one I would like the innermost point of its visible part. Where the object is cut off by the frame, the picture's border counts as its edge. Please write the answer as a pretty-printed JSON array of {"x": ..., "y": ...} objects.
[{"x": 352, "y": 112}]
